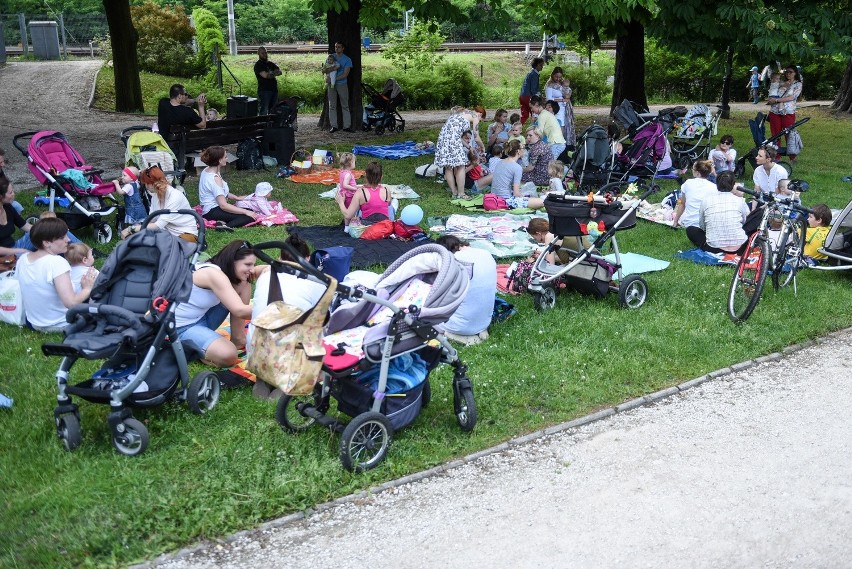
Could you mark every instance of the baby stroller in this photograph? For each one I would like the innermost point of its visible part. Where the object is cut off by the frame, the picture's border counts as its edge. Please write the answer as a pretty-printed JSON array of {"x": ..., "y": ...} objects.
[
  {"x": 380, "y": 348},
  {"x": 593, "y": 159},
  {"x": 692, "y": 133},
  {"x": 286, "y": 112},
  {"x": 129, "y": 322},
  {"x": 583, "y": 268},
  {"x": 57, "y": 165},
  {"x": 758, "y": 134},
  {"x": 144, "y": 148},
  {"x": 642, "y": 155},
  {"x": 838, "y": 242},
  {"x": 382, "y": 111}
]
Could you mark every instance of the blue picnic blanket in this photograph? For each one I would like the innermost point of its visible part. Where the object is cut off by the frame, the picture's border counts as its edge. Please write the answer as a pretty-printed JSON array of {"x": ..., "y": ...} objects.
[{"x": 396, "y": 151}]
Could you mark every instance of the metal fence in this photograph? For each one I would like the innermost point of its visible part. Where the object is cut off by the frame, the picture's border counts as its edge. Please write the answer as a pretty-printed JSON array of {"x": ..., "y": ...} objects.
[{"x": 77, "y": 32}]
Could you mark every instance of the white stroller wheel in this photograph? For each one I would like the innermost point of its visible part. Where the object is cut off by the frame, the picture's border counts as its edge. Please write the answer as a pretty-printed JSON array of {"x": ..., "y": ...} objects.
[
  {"x": 365, "y": 441},
  {"x": 103, "y": 233}
]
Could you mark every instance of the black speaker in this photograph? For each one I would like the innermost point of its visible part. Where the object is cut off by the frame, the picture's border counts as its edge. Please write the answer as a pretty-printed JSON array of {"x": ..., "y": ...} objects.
[
  {"x": 240, "y": 106},
  {"x": 279, "y": 142}
]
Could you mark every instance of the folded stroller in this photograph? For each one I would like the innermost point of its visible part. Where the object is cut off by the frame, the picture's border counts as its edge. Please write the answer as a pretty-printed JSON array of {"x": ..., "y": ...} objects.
[
  {"x": 129, "y": 322},
  {"x": 57, "y": 165},
  {"x": 757, "y": 126},
  {"x": 380, "y": 348},
  {"x": 381, "y": 113}
]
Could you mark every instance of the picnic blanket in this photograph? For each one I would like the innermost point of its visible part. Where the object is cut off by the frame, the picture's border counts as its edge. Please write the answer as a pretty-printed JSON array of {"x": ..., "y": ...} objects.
[
  {"x": 704, "y": 258},
  {"x": 366, "y": 253},
  {"x": 475, "y": 204},
  {"x": 655, "y": 213},
  {"x": 279, "y": 216},
  {"x": 398, "y": 191},
  {"x": 327, "y": 177},
  {"x": 502, "y": 235},
  {"x": 636, "y": 264},
  {"x": 396, "y": 151},
  {"x": 235, "y": 375}
]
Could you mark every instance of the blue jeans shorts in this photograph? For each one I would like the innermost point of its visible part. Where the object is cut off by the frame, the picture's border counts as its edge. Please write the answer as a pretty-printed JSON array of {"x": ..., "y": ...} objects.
[{"x": 198, "y": 337}]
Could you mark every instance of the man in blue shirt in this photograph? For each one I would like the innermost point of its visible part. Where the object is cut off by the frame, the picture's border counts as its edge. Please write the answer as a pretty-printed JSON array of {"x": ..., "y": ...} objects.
[{"x": 341, "y": 89}]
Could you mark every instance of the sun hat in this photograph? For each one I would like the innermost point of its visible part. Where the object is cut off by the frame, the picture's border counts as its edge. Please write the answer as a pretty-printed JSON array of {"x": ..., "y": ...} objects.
[
  {"x": 754, "y": 68},
  {"x": 263, "y": 189}
]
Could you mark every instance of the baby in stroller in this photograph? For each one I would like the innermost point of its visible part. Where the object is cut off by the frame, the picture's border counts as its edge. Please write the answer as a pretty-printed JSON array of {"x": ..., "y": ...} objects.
[{"x": 379, "y": 349}]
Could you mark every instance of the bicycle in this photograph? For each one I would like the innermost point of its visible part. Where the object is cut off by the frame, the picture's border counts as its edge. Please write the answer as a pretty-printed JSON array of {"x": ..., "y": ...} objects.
[
  {"x": 761, "y": 254},
  {"x": 790, "y": 249}
]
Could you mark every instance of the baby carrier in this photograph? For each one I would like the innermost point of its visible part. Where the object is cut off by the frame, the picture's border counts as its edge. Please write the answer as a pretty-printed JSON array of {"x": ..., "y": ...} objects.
[
  {"x": 129, "y": 323},
  {"x": 57, "y": 165},
  {"x": 145, "y": 148},
  {"x": 381, "y": 113},
  {"x": 379, "y": 347}
]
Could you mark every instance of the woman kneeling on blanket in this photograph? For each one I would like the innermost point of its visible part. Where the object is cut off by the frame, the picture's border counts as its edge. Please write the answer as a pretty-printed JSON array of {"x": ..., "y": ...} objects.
[
  {"x": 219, "y": 287},
  {"x": 372, "y": 200}
]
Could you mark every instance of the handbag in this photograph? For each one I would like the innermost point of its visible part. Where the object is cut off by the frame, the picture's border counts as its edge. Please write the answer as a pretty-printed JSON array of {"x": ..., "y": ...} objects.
[
  {"x": 286, "y": 347},
  {"x": 492, "y": 202},
  {"x": 794, "y": 143},
  {"x": 11, "y": 300},
  {"x": 334, "y": 261}
]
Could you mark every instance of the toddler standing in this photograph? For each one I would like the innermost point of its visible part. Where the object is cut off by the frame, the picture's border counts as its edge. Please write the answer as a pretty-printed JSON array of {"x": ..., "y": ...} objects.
[
  {"x": 128, "y": 186},
  {"x": 347, "y": 184},
  {"x": 81, "y": 258}
]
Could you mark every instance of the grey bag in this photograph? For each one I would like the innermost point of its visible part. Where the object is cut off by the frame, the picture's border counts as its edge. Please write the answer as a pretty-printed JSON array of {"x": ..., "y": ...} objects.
[{"x": 794, "y": 143}]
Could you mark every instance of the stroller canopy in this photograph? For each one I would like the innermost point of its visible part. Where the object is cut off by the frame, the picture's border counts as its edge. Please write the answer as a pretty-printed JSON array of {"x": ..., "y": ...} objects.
[
  {"x": 392, "y": 90},
  {"x": 145, "y": 141},
  {"x": 48, "y": 151}
]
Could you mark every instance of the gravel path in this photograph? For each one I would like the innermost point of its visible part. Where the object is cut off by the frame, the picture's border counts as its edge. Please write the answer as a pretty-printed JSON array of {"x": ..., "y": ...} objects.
[{"x": 750, "y": 469}]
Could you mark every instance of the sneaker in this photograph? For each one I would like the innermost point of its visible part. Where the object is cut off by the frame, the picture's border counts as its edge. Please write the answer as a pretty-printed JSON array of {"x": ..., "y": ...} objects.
[
  {"x": 333, "y": 129},
  {"x": 350, "y": 129}
]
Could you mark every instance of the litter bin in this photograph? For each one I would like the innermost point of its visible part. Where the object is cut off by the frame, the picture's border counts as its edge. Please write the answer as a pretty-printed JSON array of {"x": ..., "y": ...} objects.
[{"x": 45, "y": 38}]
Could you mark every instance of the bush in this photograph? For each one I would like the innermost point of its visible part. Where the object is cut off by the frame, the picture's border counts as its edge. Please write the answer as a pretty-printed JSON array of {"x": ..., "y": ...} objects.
[
  {"x": 590, "y": 85},
  {"x": 447, "y": 85},
  {"x": 671, "y": 76},
  {"x": 417, "y": 48},
  {"x": 165, "y": 39},
  {"x": 209, "y": 37}
]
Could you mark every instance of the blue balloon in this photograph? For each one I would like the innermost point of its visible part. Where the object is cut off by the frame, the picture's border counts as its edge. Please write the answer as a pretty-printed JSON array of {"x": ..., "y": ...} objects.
[{"x": 411, "y": 214}]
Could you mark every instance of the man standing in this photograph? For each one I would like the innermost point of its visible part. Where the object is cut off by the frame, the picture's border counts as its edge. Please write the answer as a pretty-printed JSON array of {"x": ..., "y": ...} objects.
[
  {"x": 530, "y": 88},
  {"x": 549, "y": 126},
  {"x": 341, "y": 89},
  {"x": 177, "y": 110},
  {"x": 267, "y": 85}
]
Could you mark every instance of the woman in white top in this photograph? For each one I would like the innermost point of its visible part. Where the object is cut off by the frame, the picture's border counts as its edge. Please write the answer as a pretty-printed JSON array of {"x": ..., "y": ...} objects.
[
  {"x": 694, "y": 191},
  {"x": 45, "y": 277},
  {"x": 213, "y": 192},
  {"x": 553, "y": 92},
  {"x": 163, "y": 196},
  {"x": 220, "y": 287}
]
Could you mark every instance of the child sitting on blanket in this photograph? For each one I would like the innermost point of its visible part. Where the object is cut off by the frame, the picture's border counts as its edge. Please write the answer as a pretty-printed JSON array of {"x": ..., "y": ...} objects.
[
  {"x": 556, "y": 171},
  {"x": 258, "y": 202},
  {"x": 347, "y": 186},
  {"x": 567, "y": 247}
]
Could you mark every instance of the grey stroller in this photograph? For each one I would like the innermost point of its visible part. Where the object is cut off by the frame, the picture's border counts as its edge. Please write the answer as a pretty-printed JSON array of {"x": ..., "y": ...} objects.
[
  {"x": 380, "y": 347},
  {"x": 129, "y": 322}
]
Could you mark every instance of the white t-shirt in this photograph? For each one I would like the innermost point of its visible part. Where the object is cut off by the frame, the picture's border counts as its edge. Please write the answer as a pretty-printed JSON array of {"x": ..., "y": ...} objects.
[
  {"x": 176, "y": 224},
  {"x": 474, "y": 314},
  {"x": 694, "y": 191},
  {"x": 720, "y": 163},
  {"x": 77, "y": 274},
  {"x": 43, "y": 307},
  {"x": 208, "y": 190},
  {"x": 768, "y": 181},
  {"x": 301, "y": 293}
]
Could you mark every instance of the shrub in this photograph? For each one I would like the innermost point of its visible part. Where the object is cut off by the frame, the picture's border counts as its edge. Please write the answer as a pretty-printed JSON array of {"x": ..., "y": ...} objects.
[
  {"x": 209, "y": 37},
  {"x": 417, "y": 48},
  {"x": 447, "y": 85},
  {"x": 165, "y": 39}
]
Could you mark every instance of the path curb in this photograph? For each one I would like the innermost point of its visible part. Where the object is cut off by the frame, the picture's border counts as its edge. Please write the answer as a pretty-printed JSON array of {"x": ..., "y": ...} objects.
[{"x": 651, "y": 398}]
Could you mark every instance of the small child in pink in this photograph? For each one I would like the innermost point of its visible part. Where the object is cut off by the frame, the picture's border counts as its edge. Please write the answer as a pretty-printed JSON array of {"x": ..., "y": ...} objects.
[
  {"x": 348, "y": 186},
  {"x": 258, "y": 202}
]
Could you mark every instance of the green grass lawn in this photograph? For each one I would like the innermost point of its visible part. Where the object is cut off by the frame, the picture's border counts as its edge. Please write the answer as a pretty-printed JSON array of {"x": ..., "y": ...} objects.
[{"x": 209, "y": 476}]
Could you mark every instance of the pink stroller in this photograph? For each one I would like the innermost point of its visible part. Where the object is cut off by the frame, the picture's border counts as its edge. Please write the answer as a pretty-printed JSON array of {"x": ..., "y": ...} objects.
[{"x": 57, "y": 165}]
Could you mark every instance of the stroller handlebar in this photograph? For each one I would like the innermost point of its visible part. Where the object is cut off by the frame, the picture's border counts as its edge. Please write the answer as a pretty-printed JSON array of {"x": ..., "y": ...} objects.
[
  {"x": 17, "y": 144},
  {"x": 199, "y": 222},
  {"x": 279, "y": 266}
]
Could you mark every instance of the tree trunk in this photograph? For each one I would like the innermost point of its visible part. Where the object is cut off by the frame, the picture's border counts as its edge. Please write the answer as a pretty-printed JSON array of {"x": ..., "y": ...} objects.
[
  {"x": 630, "y": 66},
  {"x": 123, "y": 39},
  {"x": 843, "y": 101},
  {"x": 726, "y": 83},
  {"x": 345, "y": 27}
]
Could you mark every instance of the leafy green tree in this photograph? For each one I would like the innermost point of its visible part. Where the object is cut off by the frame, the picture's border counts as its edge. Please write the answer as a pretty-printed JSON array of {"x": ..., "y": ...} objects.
[
  {"x": 418, "y": 47},
  {"x": 209, "y": 36}
]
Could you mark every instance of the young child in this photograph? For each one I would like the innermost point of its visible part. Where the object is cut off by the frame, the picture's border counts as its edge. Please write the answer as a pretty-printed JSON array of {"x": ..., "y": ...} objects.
[
  {"x": 81, "y": 258},
  {"x": 567, "y": 248},
  {"x": 258, "y": 202},
  {"x": 513, "y": 118},
  {"x": 347, "y": 184},
  {"x": 515, "y": 133},
  {"x": 475, "y": 177},
  {"x": 496, "y": 156},
  {"x": 556, "y": 171},
  {"x": 818, "y": 228},
  {"x": 128, "y": 186},
  {"x": 330, "y": 68},
  {"x": 724, "y": 156},
  {"x": 774, "y": 84}
]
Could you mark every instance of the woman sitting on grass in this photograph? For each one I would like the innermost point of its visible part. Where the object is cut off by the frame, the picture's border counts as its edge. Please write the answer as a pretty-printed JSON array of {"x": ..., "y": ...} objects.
[
  {"x": 372, "y": 201},
  {"x": 214, "y": 195},
  {"x": 506, "y": 181}
]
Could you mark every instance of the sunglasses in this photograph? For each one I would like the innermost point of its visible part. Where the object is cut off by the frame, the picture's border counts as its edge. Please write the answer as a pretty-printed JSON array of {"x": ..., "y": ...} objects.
[{"x": 245, "y": 245}]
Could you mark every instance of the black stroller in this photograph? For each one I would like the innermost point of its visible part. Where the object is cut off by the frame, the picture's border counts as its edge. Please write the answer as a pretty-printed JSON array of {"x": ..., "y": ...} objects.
[
  {"x": 129, "y": 322},
  {"x": 382, "y": 113},
  {"x": 757, "y": 125}
]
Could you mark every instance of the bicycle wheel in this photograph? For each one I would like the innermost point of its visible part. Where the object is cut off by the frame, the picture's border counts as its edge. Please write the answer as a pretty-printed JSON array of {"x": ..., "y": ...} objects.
[
  {"x": 790, "y": 249},
  {"x": 749, "y": 279}
]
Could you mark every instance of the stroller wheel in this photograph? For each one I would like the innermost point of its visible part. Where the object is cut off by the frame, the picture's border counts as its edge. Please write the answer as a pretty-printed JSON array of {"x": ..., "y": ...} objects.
[
  {"x": 32, "y": 219},
  {"x": 103, "y": 233},
  {"x": 400, "y": 127},
  {"x": 69, "y": 432},
  {"x": 288, "y": 414},
  {"x": 365, "y": 441},
  {"x": 130, "y": 437},
  {"x": 380, "y": 130},
  {"x": 546, "y": 299},
  {"x": 203, "y": 392},
  {"x": 632, "y": 292},
  {"x": 465, "y": 408}
]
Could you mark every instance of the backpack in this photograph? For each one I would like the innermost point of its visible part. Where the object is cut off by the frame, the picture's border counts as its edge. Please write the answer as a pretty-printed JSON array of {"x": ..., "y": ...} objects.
[
  {"x": 249, "y": 155},
  {"x": 492, "y": 202},
  {"x": 520, "y": 276}
]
